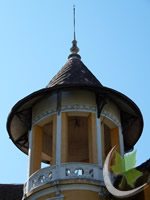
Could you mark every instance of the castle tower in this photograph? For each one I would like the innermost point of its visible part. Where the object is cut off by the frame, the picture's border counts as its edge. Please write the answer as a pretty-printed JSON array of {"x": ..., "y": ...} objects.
[{"x": 71, "y": 125}]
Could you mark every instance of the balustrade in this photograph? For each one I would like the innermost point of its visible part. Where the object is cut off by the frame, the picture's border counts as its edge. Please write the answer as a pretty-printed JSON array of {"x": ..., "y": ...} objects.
[{"x": 65, "y": 171}]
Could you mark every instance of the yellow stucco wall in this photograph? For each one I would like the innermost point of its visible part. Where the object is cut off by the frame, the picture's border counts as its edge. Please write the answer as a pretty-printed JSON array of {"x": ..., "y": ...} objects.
[
  {"x": 147, "y": 192},
  {"x": 76, "y": 195}
]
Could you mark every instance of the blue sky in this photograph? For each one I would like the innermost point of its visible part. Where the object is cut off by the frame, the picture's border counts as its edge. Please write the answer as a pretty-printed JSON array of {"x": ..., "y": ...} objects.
[{"x": 35, "y": 38}]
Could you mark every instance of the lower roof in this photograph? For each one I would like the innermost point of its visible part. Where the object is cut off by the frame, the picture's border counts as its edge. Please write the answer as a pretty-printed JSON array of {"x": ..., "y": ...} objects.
[{"x": 11, "y": 191}]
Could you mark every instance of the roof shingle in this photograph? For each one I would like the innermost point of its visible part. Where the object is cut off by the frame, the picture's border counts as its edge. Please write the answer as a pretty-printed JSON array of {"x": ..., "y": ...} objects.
[{"x": 74, "y": 72}]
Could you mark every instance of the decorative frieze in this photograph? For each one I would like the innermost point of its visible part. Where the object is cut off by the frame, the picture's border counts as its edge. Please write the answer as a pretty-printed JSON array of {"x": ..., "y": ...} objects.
[
  {"x": 43, "y": 115},
  {"x": 64, "y": 108},
  {"x": 108, "y": 115}
]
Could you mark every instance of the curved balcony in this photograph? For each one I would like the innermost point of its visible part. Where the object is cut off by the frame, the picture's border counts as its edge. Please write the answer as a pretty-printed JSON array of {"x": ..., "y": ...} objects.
[{"x": 63, "y": 172}]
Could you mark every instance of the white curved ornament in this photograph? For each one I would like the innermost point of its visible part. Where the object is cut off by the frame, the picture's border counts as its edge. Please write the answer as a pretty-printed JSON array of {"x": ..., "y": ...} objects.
[{"x": 110, "y": 187}]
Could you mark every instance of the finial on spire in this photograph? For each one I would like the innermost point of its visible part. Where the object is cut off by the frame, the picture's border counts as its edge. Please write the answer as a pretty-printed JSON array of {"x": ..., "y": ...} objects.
[{"x": 74, "y": 49}]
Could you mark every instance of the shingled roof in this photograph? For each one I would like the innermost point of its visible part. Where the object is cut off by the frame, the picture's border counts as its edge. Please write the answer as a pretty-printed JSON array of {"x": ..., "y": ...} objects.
[
  {"x": 11, "y": 191},
  {"x": 74, "y": 72}
]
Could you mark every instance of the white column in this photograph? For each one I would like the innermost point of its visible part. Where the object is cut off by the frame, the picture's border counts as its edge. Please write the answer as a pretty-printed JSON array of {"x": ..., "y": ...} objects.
[
  {"x": 58, "y": 146},
  {"x": 29, "y": 152},
  {"x": 121, "y": 141},
  {"x": 99, "y": 142},
  {"x": 58, "y": 140},
  {"x": 29, "y": 158}
]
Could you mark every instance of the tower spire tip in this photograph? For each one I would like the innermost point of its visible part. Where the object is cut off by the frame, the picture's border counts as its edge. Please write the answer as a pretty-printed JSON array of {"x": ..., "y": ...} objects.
[{"x": 74, "y": 49}]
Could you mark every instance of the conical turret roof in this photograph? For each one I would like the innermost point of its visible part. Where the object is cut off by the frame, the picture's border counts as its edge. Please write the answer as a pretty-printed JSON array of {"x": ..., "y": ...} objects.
[{"x": 74, "y": 72}]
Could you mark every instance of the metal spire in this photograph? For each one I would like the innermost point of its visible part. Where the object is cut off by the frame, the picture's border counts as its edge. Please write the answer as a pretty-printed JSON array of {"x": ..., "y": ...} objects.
[
  {"x": 74, "y": 49},
  {"x": 74, "y": 22}
]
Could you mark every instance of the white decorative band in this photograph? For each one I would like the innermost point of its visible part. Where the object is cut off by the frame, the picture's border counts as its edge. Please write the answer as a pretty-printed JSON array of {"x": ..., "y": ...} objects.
[
  {"x": 79, "y": 107},
  {"x": 64, "y": 108},
  {"x": 43, "y": 115},
  {"x": 111, "y": 117}
]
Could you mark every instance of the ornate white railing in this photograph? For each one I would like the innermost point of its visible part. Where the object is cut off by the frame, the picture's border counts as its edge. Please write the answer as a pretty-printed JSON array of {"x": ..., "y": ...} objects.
[{"x": 63, "y": 172}]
